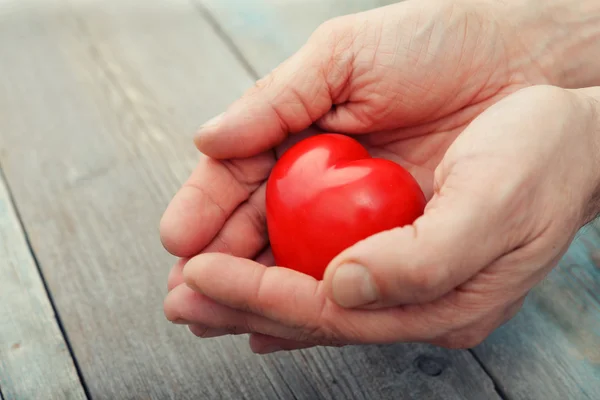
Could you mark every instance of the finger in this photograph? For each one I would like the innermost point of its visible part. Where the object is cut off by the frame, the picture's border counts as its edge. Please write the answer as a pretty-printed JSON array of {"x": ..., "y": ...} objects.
[
  {"x": 473, "y": 334},
  {"x": 176, "y": 274},
  {"x": 206, "y": 332},
  {"x": 266, "y": 258},
  {"x": 354, "y": 117},
  {"x": 207, "y": 199},
  {"x": 252, "y": 287},
  {"x": 460, "y": 232},
  {"x": 264, "y": 344},
  {"x": 288, "y": 100},
  {"x": 185, "y": 306},
  {"x": 297, "y": 303},
  {"x": 245, "y": 232}
]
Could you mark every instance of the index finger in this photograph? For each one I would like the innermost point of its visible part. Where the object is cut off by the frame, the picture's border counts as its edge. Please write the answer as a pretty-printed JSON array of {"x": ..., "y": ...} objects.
[
  {"x": 207, "y": 199},
  {"x": 288, "y": 100}
]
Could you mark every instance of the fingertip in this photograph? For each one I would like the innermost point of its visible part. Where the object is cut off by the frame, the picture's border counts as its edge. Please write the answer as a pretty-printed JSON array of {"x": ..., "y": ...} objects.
[
  {"x": 196, "y": 272},
  {"x": 172, "y": 237},
  {"x": 175, "y": 277},
  {"x": 207, "y": 141},
  {"x": 206, "y": 128},
  {"x": 188, "y": 273},
  {"x": 171, "y": 303},
  {"x": 249, "y": 127}
]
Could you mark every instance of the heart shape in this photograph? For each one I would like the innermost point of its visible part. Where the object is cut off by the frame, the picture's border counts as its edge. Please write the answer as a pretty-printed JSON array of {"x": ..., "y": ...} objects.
[{"x": 326, "y": 193}]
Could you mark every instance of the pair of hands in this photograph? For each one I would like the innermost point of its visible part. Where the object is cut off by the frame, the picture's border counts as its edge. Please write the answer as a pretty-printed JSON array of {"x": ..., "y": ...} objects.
[{"x": 509, "y": 164}]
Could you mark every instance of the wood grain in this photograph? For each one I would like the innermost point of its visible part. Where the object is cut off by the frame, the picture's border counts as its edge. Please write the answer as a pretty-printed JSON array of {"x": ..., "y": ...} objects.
[
  {"x": 551, "y": 347},
  {"x": 268, "y": 31},
  {"x": 99, "y": 100},
  {"x": 34, "y": 358}
]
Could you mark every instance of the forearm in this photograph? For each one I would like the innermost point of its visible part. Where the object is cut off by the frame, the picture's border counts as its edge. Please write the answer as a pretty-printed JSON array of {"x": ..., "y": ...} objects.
[{"x": 562, "y": 38}]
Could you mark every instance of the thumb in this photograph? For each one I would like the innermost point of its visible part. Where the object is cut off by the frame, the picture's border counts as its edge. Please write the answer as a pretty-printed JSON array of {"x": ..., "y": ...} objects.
[
  {"x": 288, "y": 100},
  {"x": 453, "y": 240}
]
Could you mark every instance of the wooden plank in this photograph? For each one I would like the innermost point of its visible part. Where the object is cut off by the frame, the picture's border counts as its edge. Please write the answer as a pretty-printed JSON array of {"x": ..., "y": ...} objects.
[
  {"x": 269, "y": 31},
  {"x": 34, "y": 358},
  {"x": 551, "y": 347},
  {"x": 99, "y": 100}
]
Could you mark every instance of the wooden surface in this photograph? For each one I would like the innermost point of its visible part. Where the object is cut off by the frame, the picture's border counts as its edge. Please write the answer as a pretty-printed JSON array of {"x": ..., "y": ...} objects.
[
  {"x": 556, "y": 337},
  {"x": 34, "y": 358},
  {"x": 98, "y": 101}
]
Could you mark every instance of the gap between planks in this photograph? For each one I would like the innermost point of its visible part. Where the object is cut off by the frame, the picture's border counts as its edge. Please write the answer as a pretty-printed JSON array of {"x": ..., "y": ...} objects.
[
  {"x": 226, "y": 38},
  {"x": 499, "y": 391},
  {"x": 13, "y": 209}
]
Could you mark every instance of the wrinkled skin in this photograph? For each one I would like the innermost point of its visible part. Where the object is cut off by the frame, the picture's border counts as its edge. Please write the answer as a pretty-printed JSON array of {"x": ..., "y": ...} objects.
[{"x": 444, "y": 89}]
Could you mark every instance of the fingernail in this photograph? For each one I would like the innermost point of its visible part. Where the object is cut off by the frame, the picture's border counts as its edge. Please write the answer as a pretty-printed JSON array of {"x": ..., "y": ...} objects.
[
  {"x": 270, "y": 348},
  {"x": 353, "y": 286},
  {"x": 206, "y": 332},
  {"x": 213, "y": 121}
]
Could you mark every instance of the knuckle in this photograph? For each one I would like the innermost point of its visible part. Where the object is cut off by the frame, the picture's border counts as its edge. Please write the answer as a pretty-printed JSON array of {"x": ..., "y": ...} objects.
[
  {"x": 549, "y": 96},
  {"x": 311, "y": 333},
  {"x": 424, "y": 280},
  {"x": 257, "y": 220},
  {"x": 329, "y": 29},
  {"x": 320, "y": 328},
  {"x": 336, "y": 37},
  {"x": 265, "y": 81}
]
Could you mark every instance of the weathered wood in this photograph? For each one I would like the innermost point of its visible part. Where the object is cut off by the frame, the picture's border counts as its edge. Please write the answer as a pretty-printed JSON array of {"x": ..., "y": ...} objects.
[
  {"x": 34, "y": 359},
  {"x": 551, "y": 349},
  {"x": 553, "y": 345},
  {"x": 266, "y": 32},
  {"x": 99, "y": 100}
]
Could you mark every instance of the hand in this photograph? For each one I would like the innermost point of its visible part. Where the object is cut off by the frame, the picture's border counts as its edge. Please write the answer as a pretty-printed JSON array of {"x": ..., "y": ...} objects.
[{"x": 465, "y": 266}]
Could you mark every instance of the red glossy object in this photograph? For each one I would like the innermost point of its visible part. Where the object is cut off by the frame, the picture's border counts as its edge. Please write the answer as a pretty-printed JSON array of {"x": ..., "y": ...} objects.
[{"x": 326, "y": 193}]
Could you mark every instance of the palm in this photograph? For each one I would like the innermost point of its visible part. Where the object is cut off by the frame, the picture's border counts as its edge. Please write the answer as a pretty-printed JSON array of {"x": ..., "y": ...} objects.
[
  {"x": 419, "y": 149},
  {"x": 405, "y": 80}
]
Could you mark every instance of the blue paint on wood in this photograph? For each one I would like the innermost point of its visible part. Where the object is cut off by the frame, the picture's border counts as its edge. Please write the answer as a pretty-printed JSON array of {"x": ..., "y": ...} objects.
[{"x": 551, "y": 349}]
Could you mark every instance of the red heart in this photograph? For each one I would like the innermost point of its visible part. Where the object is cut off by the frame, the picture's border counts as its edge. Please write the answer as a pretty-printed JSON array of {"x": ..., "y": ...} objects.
[{"x": 326, "y": 193}]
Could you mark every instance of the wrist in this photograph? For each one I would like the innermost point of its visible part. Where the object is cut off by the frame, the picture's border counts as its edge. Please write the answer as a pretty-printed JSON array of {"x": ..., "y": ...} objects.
[{"x": 558, "y": 38}]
